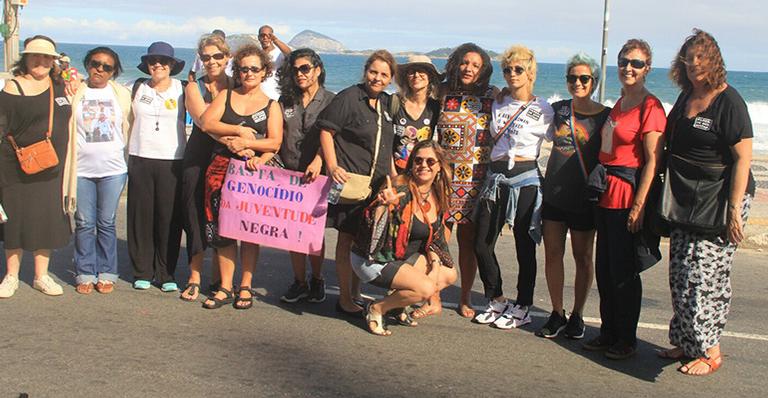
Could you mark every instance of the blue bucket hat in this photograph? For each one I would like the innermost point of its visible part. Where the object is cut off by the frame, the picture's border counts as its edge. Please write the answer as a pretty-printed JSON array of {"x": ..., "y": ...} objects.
[{"x": 161, "y": 49}]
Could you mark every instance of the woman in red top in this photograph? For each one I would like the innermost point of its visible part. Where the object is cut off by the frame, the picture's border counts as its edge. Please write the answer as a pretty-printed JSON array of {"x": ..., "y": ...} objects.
[{"x": 629, "y": 151}]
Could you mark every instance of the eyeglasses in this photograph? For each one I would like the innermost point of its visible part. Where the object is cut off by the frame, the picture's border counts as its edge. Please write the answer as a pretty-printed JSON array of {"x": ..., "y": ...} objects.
[
  {"x": 418, "y": 161},
  {"x": 519, "y": 70},
  {"x": 105, "y": 67},
  {"x": 584, "y": 79},
  {"x": 245, "y": 69},
  {"x": 413, "y": 72},
  {"x": 158, "y": 60},
  {"x": 217, "y": 56},
  {"x": 264, "y": 35},
  {"x": 636, "y": 63},
  {"x": 303, "y": 69}
]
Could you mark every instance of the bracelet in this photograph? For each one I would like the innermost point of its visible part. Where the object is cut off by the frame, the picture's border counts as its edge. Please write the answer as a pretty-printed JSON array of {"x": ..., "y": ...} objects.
[{"x": 732, "y": 206}]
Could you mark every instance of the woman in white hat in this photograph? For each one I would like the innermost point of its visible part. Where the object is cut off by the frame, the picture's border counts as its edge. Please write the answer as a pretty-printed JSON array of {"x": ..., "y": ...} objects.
[
  {"x": 33, "y": 107},
  {"x": 156, "y": 152}
]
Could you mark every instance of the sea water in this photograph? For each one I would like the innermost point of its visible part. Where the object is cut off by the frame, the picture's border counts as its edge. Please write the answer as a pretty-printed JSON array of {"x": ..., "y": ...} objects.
[{"x": 345, "y": 70}]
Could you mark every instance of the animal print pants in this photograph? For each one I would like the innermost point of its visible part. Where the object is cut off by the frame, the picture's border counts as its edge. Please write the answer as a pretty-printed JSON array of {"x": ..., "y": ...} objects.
[{"x": 700, "y": 281}]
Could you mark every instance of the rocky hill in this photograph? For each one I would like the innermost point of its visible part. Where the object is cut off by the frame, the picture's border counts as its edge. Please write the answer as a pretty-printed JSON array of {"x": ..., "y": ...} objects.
[{"x": 316, "y": 41}]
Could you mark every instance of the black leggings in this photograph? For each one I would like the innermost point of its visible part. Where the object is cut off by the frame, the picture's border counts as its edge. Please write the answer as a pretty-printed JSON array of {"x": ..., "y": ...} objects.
[{"x": 490, "y": 220}]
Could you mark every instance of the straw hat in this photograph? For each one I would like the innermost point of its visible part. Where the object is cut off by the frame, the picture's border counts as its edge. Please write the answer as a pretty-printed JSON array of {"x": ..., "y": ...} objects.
[
  {"x": 416, "y": 61},
  {"x": 41, "y": 46},
  {"x": 65, "y": 59}
]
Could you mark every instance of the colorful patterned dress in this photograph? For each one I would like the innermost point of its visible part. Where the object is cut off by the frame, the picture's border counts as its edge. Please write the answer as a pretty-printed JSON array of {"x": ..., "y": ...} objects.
[{"x": 463, "y": 132}]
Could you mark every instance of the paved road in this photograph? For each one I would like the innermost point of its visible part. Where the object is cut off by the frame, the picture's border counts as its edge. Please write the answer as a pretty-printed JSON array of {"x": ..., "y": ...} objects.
[{"x": 139, "y": 344}]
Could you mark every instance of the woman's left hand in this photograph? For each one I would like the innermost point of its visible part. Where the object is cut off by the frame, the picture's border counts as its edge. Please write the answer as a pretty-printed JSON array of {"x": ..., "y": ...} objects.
[
  {"x": 237, "y": 144},
  {"x": 246, "y": 154},
  {"x": 735, "y": 229},
  {"x": 389, "y": 196},
  {"x": 254, "y": 163},
  {"x": 635, "y": 219},
  {"x": 71, "y": 87}
]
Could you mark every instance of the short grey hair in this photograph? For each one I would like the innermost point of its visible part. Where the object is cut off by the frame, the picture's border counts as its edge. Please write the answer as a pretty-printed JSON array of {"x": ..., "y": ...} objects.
[{"x": 584, "y": 59}]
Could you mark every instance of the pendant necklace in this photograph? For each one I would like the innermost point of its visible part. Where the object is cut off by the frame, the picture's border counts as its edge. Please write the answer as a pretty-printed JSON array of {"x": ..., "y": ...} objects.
[{"x": 425, "y": 205}]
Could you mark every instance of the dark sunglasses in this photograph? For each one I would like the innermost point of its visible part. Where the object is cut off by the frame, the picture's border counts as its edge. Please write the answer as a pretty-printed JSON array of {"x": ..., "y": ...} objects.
[
  {"x": 519, "y": 70},
  {"x": 217, "y": 56},
  {"x": 636, "y": 63},
  {"x": 105, "y": 67},
  {"x": 418, "y": 161},
  {"x": 159, "y": 60},
  {"x": 246, "y": 69},
  {"x": 584, "y": 79},
  {"x": 304, "y": 69}
]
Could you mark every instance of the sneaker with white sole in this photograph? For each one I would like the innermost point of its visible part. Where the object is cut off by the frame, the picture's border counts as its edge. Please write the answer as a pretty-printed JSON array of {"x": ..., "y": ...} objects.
[
  {"x": 9, "y": 286},
  {"x": 48, "y": 286},
  {"x": 491, "y": 313},
  {"x": 513, "y": 317}
]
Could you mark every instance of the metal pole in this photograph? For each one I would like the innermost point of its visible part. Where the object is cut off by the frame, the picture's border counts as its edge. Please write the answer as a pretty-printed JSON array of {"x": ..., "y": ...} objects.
[
  {"x": 606, "y": 17},
  {"x": 12, "y": 40}
]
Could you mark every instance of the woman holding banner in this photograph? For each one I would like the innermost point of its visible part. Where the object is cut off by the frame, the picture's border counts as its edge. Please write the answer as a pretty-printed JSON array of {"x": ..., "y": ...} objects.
[
  {"x": 252, "y": 128},
  {"x": 303, "y": 97},
  {"x": 356, "y": 137},
  {"x": 417, "y": 265}
]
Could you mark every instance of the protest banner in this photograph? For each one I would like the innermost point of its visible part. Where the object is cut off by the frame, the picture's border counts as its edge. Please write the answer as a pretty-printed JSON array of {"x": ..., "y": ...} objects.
[{"x": 273, "y": 207}]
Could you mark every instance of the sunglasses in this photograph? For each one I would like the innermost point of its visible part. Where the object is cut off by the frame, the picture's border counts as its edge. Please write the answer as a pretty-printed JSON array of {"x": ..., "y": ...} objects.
[
  {"x": 245, "y": 69},
  {"x": 636, "y": 63},
  {"x": 519, "y": 70},
  {"x": 303, "y": 69},
  {"x": 217, "y": 56},
  {"x": 158, "y": 60},
  {"x": 105, "y": 67},
  {"x": 418, "y": 161},
  {"x": 584, "y": 79},
  {"x": 414, "y": 72}
]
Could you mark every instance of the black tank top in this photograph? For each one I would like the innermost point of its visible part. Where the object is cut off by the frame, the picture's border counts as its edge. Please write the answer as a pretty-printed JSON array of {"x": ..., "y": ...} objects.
[
  {"x": 419, "y": 236},
  {"x": 197, "y": 153},
  {"x": 256, "y": 121}
]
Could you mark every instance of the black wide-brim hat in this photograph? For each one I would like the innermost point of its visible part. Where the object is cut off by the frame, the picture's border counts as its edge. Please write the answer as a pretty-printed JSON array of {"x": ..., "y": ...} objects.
[{"x": 161, "y": 49}]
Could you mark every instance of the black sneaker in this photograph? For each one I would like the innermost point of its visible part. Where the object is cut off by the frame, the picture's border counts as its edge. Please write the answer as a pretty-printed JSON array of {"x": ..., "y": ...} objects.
[
  {"x": 621, "y": 350},
  {"x": 555, "y": 324},
  {"x": 296, "y": 292},
  {"x": 599, "y": 343},
  {"x": 575, "y": 327},
  {"x": 316, "y": 290}
]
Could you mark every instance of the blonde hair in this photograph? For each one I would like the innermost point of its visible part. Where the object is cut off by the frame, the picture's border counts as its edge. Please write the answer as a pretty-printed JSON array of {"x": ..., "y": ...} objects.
[{"x": 523, "y": 55}]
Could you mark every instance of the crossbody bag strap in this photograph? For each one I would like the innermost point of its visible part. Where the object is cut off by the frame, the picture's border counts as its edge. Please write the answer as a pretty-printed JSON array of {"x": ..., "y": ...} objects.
[
  {"x": 512, "y": 120},
  {"x": 378, "y": 138},
  {"x": 50, "y": 121},
  {"x": 576, "y": 148}
]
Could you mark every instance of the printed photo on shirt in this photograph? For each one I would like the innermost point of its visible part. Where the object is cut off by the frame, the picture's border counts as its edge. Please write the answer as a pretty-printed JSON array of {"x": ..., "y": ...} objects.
[{"x": 99, "y": 121}]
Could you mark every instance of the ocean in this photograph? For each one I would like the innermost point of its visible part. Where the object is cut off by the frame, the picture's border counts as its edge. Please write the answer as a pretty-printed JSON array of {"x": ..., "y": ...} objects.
[{"x": 345, "y": 70}]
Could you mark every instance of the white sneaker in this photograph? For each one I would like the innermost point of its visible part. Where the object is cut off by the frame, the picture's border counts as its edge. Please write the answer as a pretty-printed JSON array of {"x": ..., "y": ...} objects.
[
  {"x": 9, "y": 286},
  {"x": 48, "y": 286},
  {"x": 513, "y": 317},
  {"x": 491, "y": 313}
]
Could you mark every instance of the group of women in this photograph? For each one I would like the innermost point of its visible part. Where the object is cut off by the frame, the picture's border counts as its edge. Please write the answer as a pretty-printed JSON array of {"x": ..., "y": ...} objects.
[{"x": 445, "y": 149}]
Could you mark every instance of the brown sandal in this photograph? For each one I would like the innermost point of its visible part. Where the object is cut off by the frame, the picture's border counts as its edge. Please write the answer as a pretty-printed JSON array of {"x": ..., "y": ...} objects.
[
  {"x": 711, "y": 362},
  {"x": 84, "y": 288}
]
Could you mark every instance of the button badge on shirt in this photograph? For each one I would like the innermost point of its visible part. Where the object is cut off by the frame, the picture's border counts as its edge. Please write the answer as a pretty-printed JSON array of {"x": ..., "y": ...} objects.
[
  {"x": 170, "y": 104},
  {"x": 702, "y": 123}
]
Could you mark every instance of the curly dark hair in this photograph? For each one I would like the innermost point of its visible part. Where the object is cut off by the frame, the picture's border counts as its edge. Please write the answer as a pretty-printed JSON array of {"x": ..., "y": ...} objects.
[
  {"x": 106, "y": 51},
  {"x": 290, "y": 93},
  {"x": 712, "y": 60},
  {"x": 19, "y": 67},
  {"x": 247, "y": 51},
  {"x": 442, "y": 183},
  {"x": 453, "y": 74}
]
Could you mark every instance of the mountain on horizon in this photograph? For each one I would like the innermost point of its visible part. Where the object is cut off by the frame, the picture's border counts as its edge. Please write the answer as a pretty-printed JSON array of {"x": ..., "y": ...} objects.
[{"x": 316, "y": 41}]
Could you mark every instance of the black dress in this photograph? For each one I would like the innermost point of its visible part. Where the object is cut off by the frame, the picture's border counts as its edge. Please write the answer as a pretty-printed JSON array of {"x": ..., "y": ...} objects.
[
  {"x": 197, "y": 157},
  {"x": 34, "y": 204}
]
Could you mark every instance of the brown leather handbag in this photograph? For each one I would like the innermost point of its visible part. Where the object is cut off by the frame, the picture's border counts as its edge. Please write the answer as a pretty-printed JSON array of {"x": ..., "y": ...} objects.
[{"x": 41, "y": 155}]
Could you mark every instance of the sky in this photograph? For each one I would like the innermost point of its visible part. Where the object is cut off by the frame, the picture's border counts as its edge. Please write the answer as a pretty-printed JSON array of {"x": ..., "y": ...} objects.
[{"x": 553, "y": 29}]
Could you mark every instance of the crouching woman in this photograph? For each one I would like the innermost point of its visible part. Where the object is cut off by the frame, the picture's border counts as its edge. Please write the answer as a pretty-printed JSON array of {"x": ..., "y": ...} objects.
[{"x": 402, "y": 243}]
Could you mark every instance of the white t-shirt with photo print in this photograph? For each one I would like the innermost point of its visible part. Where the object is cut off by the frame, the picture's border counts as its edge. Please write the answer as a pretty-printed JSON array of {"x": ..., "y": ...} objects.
[{"x": 100, "y": 145}]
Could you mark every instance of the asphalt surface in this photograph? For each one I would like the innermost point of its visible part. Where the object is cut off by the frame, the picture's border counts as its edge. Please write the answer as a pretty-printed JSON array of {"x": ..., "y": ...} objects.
[{"x": 148, "y": 343}]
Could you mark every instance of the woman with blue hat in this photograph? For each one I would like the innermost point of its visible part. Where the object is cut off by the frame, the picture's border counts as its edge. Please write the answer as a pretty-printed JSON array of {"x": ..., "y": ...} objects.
[{"x": 156, "y": 150}]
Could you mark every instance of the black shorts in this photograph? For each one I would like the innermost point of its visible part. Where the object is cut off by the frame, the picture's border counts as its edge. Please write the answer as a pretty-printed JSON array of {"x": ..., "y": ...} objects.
[
  {"x": 390, "y": 270},
  {"x": 584, "y": 221}
]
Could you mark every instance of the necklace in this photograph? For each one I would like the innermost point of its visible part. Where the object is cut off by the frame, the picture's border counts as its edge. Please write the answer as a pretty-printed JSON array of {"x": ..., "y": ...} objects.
[{"x": 425, "y": 205}]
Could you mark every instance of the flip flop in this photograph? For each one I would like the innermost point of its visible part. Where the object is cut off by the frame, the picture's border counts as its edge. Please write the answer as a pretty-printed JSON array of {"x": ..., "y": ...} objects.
[{"x": 192, "y": 290}]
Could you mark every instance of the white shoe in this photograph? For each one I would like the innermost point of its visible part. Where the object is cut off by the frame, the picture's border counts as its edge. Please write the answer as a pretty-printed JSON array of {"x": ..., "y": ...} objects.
[
  {"x": 514, "y": 317},
  {"x": 491, "y": 313},
  {"x": 9, "y": 286},
  {"x": 48, "y": 286}
]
